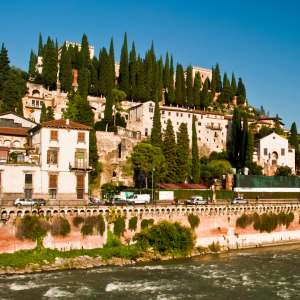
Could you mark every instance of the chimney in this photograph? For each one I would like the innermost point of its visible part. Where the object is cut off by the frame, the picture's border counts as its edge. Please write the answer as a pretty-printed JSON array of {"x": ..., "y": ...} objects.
[{"x": 67, "y": 121}]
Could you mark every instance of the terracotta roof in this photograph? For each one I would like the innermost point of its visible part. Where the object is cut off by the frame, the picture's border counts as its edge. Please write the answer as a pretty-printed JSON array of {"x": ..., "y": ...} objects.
[
  {"x": 291, "y": 147},
  {"x": 13, "y": 131},
  {"x": 63, "y": 123},
  {"x": 267, "y": 118},
  {"x": 182, "y": 186},
  {"x": 11, "y": 112},
  {"x": 228, "y": 117},
  {"x": 262, "y": 122}
]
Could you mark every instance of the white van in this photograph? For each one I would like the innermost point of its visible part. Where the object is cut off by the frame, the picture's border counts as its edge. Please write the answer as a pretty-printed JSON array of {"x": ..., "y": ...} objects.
[{"x": 139, "y": 199}]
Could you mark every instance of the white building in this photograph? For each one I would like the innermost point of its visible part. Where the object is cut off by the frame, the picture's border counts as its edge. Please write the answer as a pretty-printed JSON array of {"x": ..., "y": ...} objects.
[
  {"x": 273, "y": 151},
  {"x": 55, "y": 166}
]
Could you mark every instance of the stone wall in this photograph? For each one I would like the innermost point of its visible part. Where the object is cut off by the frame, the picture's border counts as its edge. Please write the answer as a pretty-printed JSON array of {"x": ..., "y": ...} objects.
[{"x": 217, "y": 224}]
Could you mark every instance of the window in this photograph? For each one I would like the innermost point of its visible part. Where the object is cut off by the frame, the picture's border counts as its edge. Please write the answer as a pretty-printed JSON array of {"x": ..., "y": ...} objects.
[
  {"x": 199, "y": 131},
  {"x": 52, "y": 194},
  {"x": 169, "y": 114},
  {"x": 151, "y": 109},
  {"x": 199, "y": 139},
  {"x": 20, "y": 157},
  {"x": 52, "y": 157},
  {"x": 81, "y": 136},
  {"x": 177, "y": 123},
  {"x": 226, "y": 126},
  {"x": 265, "y": 151},
  {"x": 176, "y": 114},
  {"x": 28, "y": 193},
  {"x": 54, "y": 135},
  {"x": 146, "y": 131},
  {"x": 163, "y": 112},
  {"x": 165, "y": 122},
  {"x": 32, "y": 102},
  {"x": 181, "y": 115},
  {"x": 80, "y": 159},
  {"x": 199, "y": 123},
  {"x": 53, "y": 181},
  {"x": 28, "y": 180},
  {"x": 62, "y": 109},
  {"x": 282, "y": 152},
  {"x": 189, "y": 115},
  {"x": 80, "y": 186}
]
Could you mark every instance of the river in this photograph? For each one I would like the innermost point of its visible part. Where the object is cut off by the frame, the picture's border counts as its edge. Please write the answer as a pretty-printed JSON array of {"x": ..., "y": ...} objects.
[{"x": 261, "y": 273}]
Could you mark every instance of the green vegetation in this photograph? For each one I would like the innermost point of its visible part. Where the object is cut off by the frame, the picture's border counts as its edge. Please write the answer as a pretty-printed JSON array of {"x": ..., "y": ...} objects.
[
  {"x": 86, "y": 230},
  {"x": 132, "y": 223},
  {"x": 195, "y": 154},
  {"x": 119, "y": 227},
  {"x": 89, "y": 223},
  {"x": 194, "y": 221},
  {"x": 265, "y": 222},
  {"x": 146, "y": 223},
  {"x": 215, "y": 247},
  {"x": 166, "y": 237},
  {"x": 224, "y": 194},
  {"x": 77, "y": 221}
]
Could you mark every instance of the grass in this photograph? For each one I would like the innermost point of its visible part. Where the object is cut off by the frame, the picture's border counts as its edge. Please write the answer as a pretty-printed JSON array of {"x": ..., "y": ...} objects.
[{"x": 226, "y": 163}]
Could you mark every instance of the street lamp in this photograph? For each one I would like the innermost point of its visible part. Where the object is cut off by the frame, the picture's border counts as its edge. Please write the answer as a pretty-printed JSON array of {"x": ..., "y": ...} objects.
[{"x": 153, "y": 169}]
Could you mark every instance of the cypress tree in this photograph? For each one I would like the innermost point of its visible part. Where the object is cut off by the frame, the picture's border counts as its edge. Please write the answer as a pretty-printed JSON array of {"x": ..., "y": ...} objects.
[
  {"x": 236, "y": 136},
  {"x": 233, "y": 84},
  {"x": 294, "y": 137},
  {"x": 4, "y": 62},
  {"x": 156, "y": 135},
  {"x": 9, "y": 95},
  {"x": 104, "y": 70},
  {"x": 93, "y": 155},
  {"x": 241, "y": 91},
  {"x": 154, "y": 84},
  {"x": 72, "y": 57},
  {"x": 169, "y": 151},
  {"x": 183, "y": 88},
  {"x": 166, "y": 79},
  {"x": 225, "y": 80},
  {"x": 124, "y": 68},
  {"x": 218, "y": 79},
  {"x": 83, "y": 83},
  {"x": 19, "y": 110},
  {"x": 94, "y": 86},
  {"x": 172, "y": 70},
  {"x": 197, "y": 87},
  {"x": 32, "y": 63},
  {"x": 205, "y": 96},
  {"x": 213, "y": 84},
  {"x": 195, "y": 154},
  {"x": 43, "y": 113},
  {"x": 40, "y": 52},
  {"x": 178, "y": 86},
  {"x": 182, "y": 152},
  {"x": 250, "y": 149},
  {"x": 189, "y": 86},
  {"x": 160, "y": 84},
  {"x": 112, "y": 58},
  {"x": 140, "y": 80},
  {"x": 244, "y": 147},
  {"x": 85, "y": 52},
  {"x": 132, "y": 72},
  {"x": 49, "y": 70},
  {"x": 49, "y": 114},
  {"x": 108, "y": 112},
  {"x": 65, "y": 71},
  {"x": 84, "y": 112},
  {"x": 149, "y": 77},
  {"x": 77, "y": 57}
]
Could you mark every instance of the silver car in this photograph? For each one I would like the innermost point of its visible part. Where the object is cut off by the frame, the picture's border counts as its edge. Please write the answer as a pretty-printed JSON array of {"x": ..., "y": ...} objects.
[
  {"x": 25, "y": 202},
  {"x": 195, "y": 201},
  {"x": 239, "y": 201}
]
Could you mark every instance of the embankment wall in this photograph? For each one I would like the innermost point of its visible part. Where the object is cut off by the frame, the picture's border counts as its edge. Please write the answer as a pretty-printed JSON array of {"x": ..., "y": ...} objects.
[{"x": 216, "y": 224}]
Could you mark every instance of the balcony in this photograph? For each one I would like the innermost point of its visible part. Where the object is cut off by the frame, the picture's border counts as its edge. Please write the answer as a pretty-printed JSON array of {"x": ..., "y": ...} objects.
[
  {"x": 79, "y": 167},
  {"x": 213, "y": 127}
]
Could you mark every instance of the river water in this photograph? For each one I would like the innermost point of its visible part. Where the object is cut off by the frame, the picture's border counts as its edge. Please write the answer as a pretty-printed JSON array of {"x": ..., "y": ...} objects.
[{"x": 262, "y": 273}]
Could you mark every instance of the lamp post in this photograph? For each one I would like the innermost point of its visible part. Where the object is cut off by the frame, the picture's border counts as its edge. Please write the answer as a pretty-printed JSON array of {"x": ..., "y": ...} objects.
[{"x": 153, "y": 169}]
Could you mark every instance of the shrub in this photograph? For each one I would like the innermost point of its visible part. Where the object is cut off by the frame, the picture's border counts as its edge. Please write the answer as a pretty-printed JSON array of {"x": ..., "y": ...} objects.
[
  {"x": 166, "y": 237},
  {"x": 224, "y": 194},
  {"x": 244, "y": 220},
  {"x": 60, "y": 227},
  {"x": 132, "y": 223},
  {"x": 101, "y": 225},
  {"x": 77, "y": 221},
  {"x": 119, "y": 227},
  {"x": 146, "y": 223},
  {"x": 86, "y": 230},
  {"x": 194, "y": 221},
  {"x": 215, "y": 247}
]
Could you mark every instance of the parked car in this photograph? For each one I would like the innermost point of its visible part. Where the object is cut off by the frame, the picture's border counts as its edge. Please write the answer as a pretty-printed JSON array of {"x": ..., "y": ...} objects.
[
  {"x": 195, "y": 200},
  {"x": 94, "y": 201},
  {"x": 139, "y": 199},
  {"x": 40, "y": 201},
  {"x": 239, "y": 201},
  {"x": 118, "y": 201},
  {"x": 25, "y": 202}
]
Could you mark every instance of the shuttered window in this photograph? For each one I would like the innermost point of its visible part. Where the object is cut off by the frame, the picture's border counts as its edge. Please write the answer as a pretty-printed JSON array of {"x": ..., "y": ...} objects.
[
  {"x": 54, "y": 135},
  {"x": 81, "y": 136},
  {"x": 80, "y": 181},
  {"x": 52, "y": 157},
  {"x": 53, "y": 181},
  {"x": 80, "y": 159}
]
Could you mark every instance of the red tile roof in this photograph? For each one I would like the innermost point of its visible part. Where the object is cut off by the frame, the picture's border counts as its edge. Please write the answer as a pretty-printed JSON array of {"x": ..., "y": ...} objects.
[
  {"x": 182, "y": 186},
  {"x": 63, "y": 123},
  {"x": 13, "y": 131}
]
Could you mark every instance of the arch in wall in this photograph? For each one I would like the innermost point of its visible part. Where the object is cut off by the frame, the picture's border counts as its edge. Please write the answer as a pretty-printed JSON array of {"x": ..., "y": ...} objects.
[
  {"x": 6, "y": 143},
  {"x": 17, "y": 144},
  {"x": 274, "y": 158}
]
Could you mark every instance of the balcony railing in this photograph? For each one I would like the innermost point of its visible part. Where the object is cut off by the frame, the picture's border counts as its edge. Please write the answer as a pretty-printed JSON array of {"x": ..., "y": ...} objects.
[{"x": 212, "y": 127}]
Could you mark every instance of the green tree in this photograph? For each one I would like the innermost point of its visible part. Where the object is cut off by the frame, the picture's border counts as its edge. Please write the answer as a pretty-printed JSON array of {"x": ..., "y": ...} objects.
[
  {"x": 171, "y": 93},
  {"x": 65, "y": 71},
  {"x": 4, "y": 66},
  {"x": 169, "y": 152},
  {"x": 104, "y": 71},
  {"x": 283, "y": 171},
  {"x": 294, "y": 137},
  {"x": 172, "y": 70},
  {"x": 84, "y": 56},
  {"x": 49, "y": 114},
  {"x": 49, "y": 71},
  {"x": 156, "y": 134},
  {"x": 132, "y": 72},
  {"x": 145, "y": 157},
  {"x": 218, "y": 79},
  {"x": 236, "y": 136},
  {"x": 178, "y": 86},
  {"x": 43, "y": 115},
  {"x": 196, "y": 88},
  {"x": 10, "y": 95},
  {"x": 249, "y": 149},
  {"x": 233, "y": 85},
  {"x": 166, "y": 78},
  {"x": 112, "y": 59},
  {"x": 124, "y": 68},
  {"x": 213, "y": 84},
  {"x": 140, "y": 80},
  {"x": 182, "y": 152},
  {"x": 84, "y": 112},
  {"x": 41, "y": 48},
  {"x": 72, "y": 57},
  {"x": 277, "y": 128},
  {"x": 32, "y": 63},
  {"x": 83, "y": 82},
  {"x": 195, "y": 154},
  {"x": 183, "y": 87},
  {"x": 204, "y": 95},
  {"x": 93, "y": 155},
  {"x": 189, "y": 86},
  {"x": 118, "y": 96},
  {"x": 241, "y": 90},
  {"x": 160, "y": 70},
  {"x": 245, "y": 132},
  {"x": 94, "y": 88},
  {"x": 19, "y": 110},
  {"x": 108, "y": 112}
]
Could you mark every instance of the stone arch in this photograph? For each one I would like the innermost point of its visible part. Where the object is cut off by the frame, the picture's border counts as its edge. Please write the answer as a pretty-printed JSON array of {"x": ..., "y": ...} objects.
[
  {"x": 17, "y": 144},
  {"x": 6, "y": 143}
]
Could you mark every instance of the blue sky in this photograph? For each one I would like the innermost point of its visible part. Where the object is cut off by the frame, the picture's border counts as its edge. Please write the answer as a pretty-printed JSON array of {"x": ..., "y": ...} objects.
[{"x": 258, "y": 40}]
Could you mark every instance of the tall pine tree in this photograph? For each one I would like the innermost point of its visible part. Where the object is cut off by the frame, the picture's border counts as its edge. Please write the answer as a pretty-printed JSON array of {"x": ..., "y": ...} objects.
[
  {"x": 112, "y": 59},
  {"x": 195, "y": 154},
  {"x": 197, "y": 87},
  {"x": 32, "y": 63},
  {"x": 132, "y": 72},
  {"x": 124, "y": 68},
  {"x": 41, "y": 48},
  {"x": 65, "y": 71},
  {"x": 218, "y": 79},
  {"x": 43, "y": 113},
  {"x": 172, "y": 70},
  {"x": 205, "y": 97},
  {"x": 49, "y": 70},
  {"x": 167, "y": 72},
  {"x": 244, "y": 146},
  {"x": 182, "y": 152},
  {"x": 178, "y": 85},
  {"x": 183, "y": 87},
  {"x": 156, "y": 134},
  {"x": 294, "y": 137},
  {"x": 213, "y": 84},
  {"x": 140, "y": 80},
  {"x": 19, "y": 110},
  {"x": 169, "y": 151},
  {"x": 189, "y": 86},
  {"x": 233, "y": 84},
  {"x": 250, "y": 149},
  {"x": 108, "y": 112}
]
